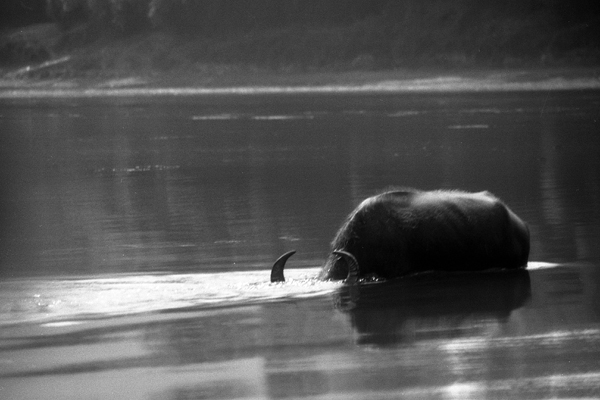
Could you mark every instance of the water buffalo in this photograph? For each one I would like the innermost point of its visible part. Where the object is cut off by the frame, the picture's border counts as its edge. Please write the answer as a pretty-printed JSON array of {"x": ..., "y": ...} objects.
[{"x": 406, "y": 231}]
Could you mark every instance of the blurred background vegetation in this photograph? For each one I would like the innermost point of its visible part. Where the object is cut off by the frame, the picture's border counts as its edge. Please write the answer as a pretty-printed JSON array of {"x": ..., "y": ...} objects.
[{"x": 103, "y": 37}]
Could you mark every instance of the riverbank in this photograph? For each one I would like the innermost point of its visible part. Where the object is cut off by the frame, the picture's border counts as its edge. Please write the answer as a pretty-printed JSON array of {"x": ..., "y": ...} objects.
[
  {"x": 44, "y": 60},
  {"x": 261, "y": 82}
]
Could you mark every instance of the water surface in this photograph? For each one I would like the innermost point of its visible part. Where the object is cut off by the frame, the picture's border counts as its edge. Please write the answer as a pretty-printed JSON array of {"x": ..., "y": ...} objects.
[
  {"x": 137, "y": 233},
  {"x": 215, "y": 183}
]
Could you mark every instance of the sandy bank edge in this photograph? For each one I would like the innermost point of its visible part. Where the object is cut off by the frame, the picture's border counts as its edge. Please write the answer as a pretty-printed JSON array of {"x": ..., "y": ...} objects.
[{"x": 358, "y": 82}]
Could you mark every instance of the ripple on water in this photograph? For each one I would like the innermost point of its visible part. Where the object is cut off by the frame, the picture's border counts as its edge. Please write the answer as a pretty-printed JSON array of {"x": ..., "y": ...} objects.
[{"x": 71, "y": 299}]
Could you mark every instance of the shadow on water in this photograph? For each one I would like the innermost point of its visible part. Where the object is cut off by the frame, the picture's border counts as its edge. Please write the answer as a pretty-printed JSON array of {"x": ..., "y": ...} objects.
[{"x": 432, "y": 305}]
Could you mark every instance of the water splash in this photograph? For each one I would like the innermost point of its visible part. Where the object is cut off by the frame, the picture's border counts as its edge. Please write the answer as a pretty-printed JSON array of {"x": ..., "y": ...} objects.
[{"x": 60, "y": 300}]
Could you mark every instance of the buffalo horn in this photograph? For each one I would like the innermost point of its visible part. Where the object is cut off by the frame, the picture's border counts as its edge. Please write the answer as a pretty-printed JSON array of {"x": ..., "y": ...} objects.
[
  {"x": 353, "y": 268},
  {"x": 277, "y": 270}
]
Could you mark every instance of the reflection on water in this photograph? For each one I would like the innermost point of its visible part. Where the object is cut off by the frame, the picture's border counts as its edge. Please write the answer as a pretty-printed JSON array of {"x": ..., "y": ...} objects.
[
  {"x": 136, "y": 234},
  {"x": 430, "y": 305},
  {"x": 535, "y": 335}
]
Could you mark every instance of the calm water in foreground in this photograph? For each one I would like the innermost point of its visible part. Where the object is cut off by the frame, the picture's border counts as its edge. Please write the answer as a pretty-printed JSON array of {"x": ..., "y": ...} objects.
[{"x": 136, "y": 235}]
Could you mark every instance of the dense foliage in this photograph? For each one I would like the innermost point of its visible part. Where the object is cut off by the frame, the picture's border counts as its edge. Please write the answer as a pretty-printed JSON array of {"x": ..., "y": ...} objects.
[
  {"x": 357, "y": 33},
  {"x": 211, "y": 16},
  {"x": 18, "y": 13}
]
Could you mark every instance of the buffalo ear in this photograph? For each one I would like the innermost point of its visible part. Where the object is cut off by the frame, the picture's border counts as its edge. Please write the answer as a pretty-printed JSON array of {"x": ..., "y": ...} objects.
[
  {"x": 277, "y": 270},
  {"x": 353, "y": 268}
]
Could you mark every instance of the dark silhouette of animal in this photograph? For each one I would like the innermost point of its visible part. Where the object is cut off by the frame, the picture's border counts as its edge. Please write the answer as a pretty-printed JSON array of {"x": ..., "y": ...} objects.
[{"x": 408, "y": 231}]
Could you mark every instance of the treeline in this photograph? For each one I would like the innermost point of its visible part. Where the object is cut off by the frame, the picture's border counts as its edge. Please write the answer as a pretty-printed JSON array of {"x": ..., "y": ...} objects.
[
  {"x": 20, "y": 13},
  {"x": 369, "y": 32},
  {"x": 226, "y": 16},
  {"x": 364, "y": 33},
  {"x": 210, "y": 17}
]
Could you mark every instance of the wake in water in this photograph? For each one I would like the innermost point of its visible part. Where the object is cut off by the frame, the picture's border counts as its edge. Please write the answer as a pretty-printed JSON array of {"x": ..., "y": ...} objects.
[
  {"x": 54, "y": 300},
  {"x": 58, "y": 300}
]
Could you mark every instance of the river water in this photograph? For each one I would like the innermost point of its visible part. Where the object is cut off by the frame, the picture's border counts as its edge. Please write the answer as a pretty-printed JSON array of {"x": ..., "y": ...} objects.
[{"x": 137, "y": 233}]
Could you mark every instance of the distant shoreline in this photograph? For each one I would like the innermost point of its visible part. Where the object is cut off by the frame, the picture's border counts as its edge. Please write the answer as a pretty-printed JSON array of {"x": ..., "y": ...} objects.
[
  {"x": 555, "y": 79},
  {"x": 445, "y": 48}
]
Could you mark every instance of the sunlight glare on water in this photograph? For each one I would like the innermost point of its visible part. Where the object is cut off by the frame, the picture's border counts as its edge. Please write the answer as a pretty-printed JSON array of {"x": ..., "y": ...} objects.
[{"x": 62, "y": 299}]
